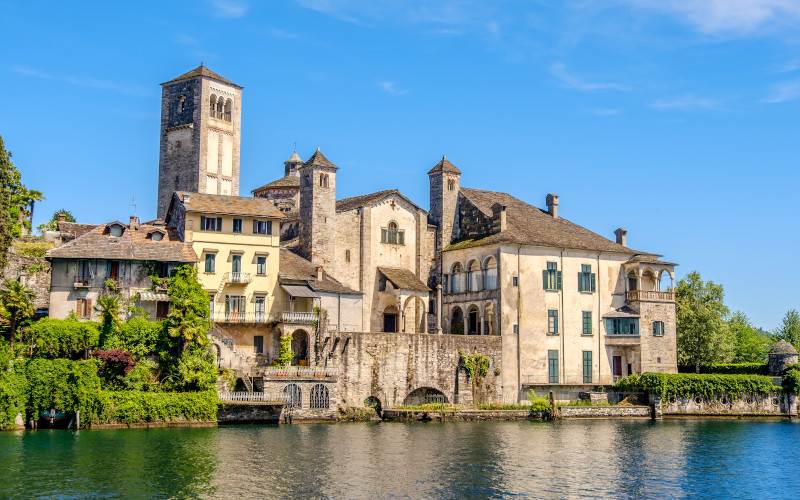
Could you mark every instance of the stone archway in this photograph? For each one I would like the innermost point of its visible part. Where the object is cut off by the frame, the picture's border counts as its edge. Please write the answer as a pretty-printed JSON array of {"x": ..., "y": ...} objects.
[
  {"x": 414, "y": 315},
  {"x": 425, "y": 395},
  {"x": 300, "y": 343},
  {"x": 391, "y": 319}
]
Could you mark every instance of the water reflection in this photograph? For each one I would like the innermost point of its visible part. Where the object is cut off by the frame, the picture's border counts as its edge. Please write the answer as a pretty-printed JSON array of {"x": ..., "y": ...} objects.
[{"x": 606, "y": 458}]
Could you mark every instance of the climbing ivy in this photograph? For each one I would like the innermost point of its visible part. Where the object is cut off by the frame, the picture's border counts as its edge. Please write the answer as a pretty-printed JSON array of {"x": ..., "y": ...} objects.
[
  {"x": 285, "y": 354},
  {"x": 476, "y": 364},
  {"x": 690, "y": 384}
]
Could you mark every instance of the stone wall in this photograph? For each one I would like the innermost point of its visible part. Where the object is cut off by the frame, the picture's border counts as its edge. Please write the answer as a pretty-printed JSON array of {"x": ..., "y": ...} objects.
[
  {"x": 279, "y": 389},
  {"x": 249, "y": 413},
  {"x": 390, "y": 366},
  {"x": 605, "y": 412},
  {"x": 776, "y": 404},
  {"x": 463, "y": 415},
  {"x": 37, "y": 280}
]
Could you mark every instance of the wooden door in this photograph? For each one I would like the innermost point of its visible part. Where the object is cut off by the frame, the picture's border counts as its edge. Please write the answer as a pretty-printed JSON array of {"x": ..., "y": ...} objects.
[{"x": 616, "y": 368}]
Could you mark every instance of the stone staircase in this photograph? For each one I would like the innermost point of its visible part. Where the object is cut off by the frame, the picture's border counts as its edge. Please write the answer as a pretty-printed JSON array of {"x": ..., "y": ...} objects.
[{"x": 230, "y": 357}]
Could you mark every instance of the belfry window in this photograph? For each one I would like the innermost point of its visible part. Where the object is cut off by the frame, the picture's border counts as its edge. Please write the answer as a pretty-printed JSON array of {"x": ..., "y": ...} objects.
[
  {"x": 323, "y": 180},
  {"x": 212, "y": 106},
  {"x": 228, "y": 110},
  {"x": 220, "y": 107},
  {"x": 391, "y": 234}
]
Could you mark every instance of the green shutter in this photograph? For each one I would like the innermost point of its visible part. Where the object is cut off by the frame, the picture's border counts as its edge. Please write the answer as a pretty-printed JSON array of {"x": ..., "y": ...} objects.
[
  {"x": 401, "y": 237},
  {"x": 219, "y": 223},
  {"x": 384, "y": 236},
  {"x": 255, "y": 227},
  {"x": 545, "y": 279},
  {"x": 202, "y": 223},
  {"x": 593, "y": 282},
  {"x": 556, "y": 318},
  {"x": 558, "y": 278},
  {"x": 269, "y": 227}
]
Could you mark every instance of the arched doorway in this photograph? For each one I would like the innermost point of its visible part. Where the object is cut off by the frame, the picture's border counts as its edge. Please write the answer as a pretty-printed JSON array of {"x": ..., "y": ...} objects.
[
  {"x": 457, "y": 321},
  {"x": 390, "y": 322},
  {"x": 300, "y": 347},
  {"x": 425, "y": 395},
  {"x": 414, "y": 315},
  {"x": 473, "y": 320}
]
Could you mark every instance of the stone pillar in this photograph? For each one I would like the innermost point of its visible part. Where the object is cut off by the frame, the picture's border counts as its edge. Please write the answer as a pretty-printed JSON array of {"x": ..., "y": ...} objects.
[
  {"x": 658, "y": 410},
  {"x": 439, "y": 311},
  {"x": 480, "y": 326}
]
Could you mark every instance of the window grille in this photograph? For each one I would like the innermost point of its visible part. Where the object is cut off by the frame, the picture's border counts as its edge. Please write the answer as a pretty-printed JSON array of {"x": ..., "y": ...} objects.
[
  {"x": 319, "y": 397},
  {"x": 292, "y": 396}
]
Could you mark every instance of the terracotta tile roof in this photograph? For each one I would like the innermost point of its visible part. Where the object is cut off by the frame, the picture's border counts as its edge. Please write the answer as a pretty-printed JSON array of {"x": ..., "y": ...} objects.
[
  {"x": 530, "y": 225},
  {"x": 132, "y": 245},
  {"x": 319, "y": 160},
  {"x": 648, "y": 259},
  {"x": 445, "y": 166},
  {"x": 403, "y": 278},
  {"x": 229, "y": 205},
  {"x": 365, "y": 199},
  {"x": 283, "y": 182},
  {"x": 295, "y": 267},
  {"x": 202, "y": 71},
  {"x": 72, "y": 230}
]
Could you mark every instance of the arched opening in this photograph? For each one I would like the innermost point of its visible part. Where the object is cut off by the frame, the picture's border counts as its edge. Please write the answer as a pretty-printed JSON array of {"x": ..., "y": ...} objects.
[
  {"x": 220, "y": 107},
  {"x": 490, "y": 273},
  {"x": 228, "y": 110},
  {"x": 300, "y": 348},
  {"x": 323, "y": 180},
  {"x": 293, "y": 396},
  {"x": 319, "y": 398},
  {"x": 457, "y": 278},
  {"x": 665, "y": 281},
  {"x": 215, "y": 348},
  {"x": 347, "y": 255},
  {"x": 473, "y": 320},
  {"x": 374, "y": 403},
  {"x": 414, "y": 315},
  {"x": 390, "y": 318},
  {"x": 489, "y": 319},
  {"x": 474, "y": 276},
  {"x": 648, "y": 280},
  {"x": 457, "y": 321},
  {"x": 212, "y": 106},
  {"x": 425, "y": 395},
  {"x": 633, "y": 281}
]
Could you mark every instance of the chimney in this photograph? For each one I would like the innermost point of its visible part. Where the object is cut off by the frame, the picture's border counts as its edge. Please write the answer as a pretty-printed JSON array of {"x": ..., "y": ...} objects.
[
  {"x": 552, "y": 205},
  {"x": 499, "y": 221},
  {"x": 62, "y": 217},
  {"x": 134, "y": 222},
  {"x": 622, "y": 236},
  {"x": 320, "y": 273}
]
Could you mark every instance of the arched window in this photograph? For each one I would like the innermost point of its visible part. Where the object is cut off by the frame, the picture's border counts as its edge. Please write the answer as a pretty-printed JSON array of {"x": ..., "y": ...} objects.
[
  {"x": 451, "y": 184},
  {"x": 347, "y": 255},
  {"x": 212, "y": 106},
  {"x": 228, "y": 109},
  {"x": 319, "y": 398},
  {"x": 220, "y": 107},
  {"x": 323, "y": 180},
  {"x": 490, "y": 273},
  {"x": 292, "y": 396},
  {"x": 391, "y": 234},
  {"x": 458, "y": 279},
  {"x": 474, "y": 276},
  {"x": 457, "y": 321},
  {"x": 181, "y": 102}
]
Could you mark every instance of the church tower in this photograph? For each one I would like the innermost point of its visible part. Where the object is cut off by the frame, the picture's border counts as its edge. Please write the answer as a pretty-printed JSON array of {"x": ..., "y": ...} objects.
[
  {"x": 444, "y": 179},
  {"x": 318, "y": 210},
  {"x": 200, "y": 133}
]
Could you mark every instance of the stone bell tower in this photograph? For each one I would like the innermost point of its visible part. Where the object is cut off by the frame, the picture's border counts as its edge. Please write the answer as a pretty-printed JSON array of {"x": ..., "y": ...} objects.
[
  {"x": 445, "y": 179},
  {"x": 200, "y": 135},
  {"x": 318, "y": 210}
]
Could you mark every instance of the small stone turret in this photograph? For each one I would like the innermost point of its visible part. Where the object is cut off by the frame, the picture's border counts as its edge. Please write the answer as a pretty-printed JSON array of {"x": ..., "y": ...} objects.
[
  {"x": 318, "y": 210},
  {"x": 444, "y": 186},
  {"x": 782, "y": 355}
]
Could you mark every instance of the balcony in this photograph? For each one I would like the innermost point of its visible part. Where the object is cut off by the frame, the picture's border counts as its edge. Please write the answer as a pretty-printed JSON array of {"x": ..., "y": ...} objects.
[
  {"x": 621, "y": 340},
  {"x": 650, "y": 296},
  {"x": 294, "y": 317},
  {"x": 236, "y": 278},
  {"x": 271, "y": 372},
  {"x": 81, "y": 282},
  {"x": 241, "y": 317}
]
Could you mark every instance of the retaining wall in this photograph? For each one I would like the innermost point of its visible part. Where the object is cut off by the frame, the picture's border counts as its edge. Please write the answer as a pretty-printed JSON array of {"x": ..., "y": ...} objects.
[{"x": 605, "y": 412}]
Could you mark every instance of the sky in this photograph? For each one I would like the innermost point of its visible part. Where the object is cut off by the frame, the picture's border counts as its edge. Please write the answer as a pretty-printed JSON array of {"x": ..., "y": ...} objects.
[{"x": 676, "y": 119}]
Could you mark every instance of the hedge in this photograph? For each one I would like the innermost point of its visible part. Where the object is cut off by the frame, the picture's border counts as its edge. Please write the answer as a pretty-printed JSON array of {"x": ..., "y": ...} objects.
[
  {"x": 136, "y": 406},
  {"x": 690, "y": 384},
  {"x": 728, "y": 369}
]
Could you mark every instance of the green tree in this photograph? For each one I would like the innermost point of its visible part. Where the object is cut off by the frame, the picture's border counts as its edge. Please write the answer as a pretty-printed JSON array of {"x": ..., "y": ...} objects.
[
  {"x": 17, "y": 302},
  {"x": 52, "y": 224},
  {"x": 789, "y": 329},
  {"x": 16, "y": 202},
  {"x": 703, "y": 334},
  {"x": 748, "y": 344},
  {"x": 188, "y": 317}
]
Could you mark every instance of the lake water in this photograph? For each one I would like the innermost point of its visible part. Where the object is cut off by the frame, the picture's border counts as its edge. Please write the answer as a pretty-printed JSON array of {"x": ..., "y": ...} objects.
[{"x": 602, "y": 458}]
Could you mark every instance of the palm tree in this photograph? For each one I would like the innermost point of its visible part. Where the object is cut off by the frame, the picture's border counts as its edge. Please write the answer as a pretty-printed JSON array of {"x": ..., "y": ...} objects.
[{"x": 17, "y": 301}]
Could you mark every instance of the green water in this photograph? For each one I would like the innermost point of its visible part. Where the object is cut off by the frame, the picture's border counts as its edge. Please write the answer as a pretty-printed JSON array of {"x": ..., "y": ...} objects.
[{"x": 606, "y": 458}]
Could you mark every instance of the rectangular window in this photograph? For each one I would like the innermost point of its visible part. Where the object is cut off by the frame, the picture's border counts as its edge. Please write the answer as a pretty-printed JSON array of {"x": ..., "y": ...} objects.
[
  {"x": 237, "y": 225},
  {"x": 261, "y": 265},
  {"x": 262, "y": 227},
  {"x": 83, "y": 308},
  {"x": 586, "y": 279},
  {"x": 552, "y": 366},
  {"x": 551, "y": 277},
  {"x": 552, "y": 321},
  {"x": 112, "y": 271},
  {"x": 622, "y": 326},
  {"x": 515, "y": 328},
  {"x": 258, "y": 344},
  {"x": 211, "y": 305},
  {"x": 210, "y": 223},
  {"x": 236, "y": 263},
  {"x": 587, "y": 322},
  {"x": 211, "y": 262},
  {"x": 587, "y": 367},
  {"x": 83, "y": 272},
  {"x": 514, "y": 281},
  {"x": 261, "y": 308},
  {"x": 235, "y": 308},
  {"x": 658, "y": 328}
]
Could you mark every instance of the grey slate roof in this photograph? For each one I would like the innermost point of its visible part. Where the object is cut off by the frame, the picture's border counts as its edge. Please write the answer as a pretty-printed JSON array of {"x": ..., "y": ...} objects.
[
  {"x": 295, "y": 267},
  {"x": 365, "y": 199},
  {"x": 283, "y": 182},
  {"x": 444, "y": 165},
  {"x": 319, "y": 160},
  {"x": 529, "y": 225},
  {"x": 295, "y": 158},
  {"x": 132, "y": 245},
  {"x": 72, "y": 230},
  {"x": 403, "y": 278},
  {"x": 622, "y": 312},
  {"x": 229, "y": 205},
  {"x": 648, "y": 259},
  {"x": 202, "y": 71}
]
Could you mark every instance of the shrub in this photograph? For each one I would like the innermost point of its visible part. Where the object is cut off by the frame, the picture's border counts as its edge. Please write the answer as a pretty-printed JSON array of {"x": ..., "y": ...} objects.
[
  {"x": 61, "y": 338},
  {"x": 139, "y": 336},
  {"x": 31, "y": 248},
  {"x": 791, "y": 380},
  {"x": 728, "y": 369},
  {"x": 689, "y": 384},
  {"x": 136, "y": 406},
  {"x": 143, "y": 377},
  {"x": 114, "y": 365}
]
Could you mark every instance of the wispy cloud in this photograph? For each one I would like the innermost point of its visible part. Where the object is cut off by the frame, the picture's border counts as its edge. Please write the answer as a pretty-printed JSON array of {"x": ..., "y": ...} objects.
[
  {"x": 787, "y": 67},
  {"x": 229, "y": 8},
  {"x": 559, "y": 70},
  {"x": 686, "y": 102},
  {"x": 390, "y": 88},
  {"x": 84, "y": 82},
  {"x": 727, "y": 16},
  {"x": 783, "y": 92}
]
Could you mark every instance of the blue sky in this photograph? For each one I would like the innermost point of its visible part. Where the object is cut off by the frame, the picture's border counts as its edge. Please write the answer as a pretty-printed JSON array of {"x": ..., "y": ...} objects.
[{"x": 677, "y": 119}]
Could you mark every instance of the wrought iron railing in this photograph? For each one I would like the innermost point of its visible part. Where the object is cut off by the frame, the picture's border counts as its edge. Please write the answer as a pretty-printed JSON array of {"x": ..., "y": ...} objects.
[{"x": 236, "y": 278}]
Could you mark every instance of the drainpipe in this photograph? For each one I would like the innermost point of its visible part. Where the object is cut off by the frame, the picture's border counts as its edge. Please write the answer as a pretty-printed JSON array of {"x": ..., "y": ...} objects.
[
  {"x": 599, "y": 323},
  {"x": 563, "y": 334},
  {"x": 519, "y": 326}
]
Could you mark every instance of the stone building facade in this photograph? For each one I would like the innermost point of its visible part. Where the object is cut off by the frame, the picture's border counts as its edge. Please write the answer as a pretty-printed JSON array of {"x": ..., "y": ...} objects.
[{"x": 200, "y": 136}]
